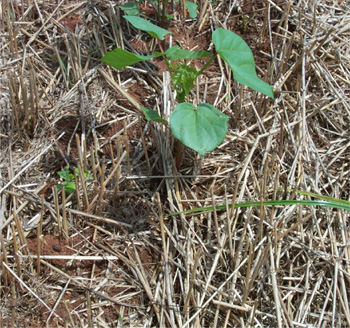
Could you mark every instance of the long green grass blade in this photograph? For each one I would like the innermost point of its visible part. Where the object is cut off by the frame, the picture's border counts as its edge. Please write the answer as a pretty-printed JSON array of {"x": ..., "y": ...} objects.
[
  {"x": 326, "y": 198},
  {"x": 270, "y": 203}
]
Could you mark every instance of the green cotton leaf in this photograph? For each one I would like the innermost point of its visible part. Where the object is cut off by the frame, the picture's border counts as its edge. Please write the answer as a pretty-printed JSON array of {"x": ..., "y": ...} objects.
[
  {"x": 176, "y": 53},
  {"x": 119, "y": 58},
  {"x": 152, "y": 115},
  {"x": 237, "y": 54},
  {"x": 192, "y": 8},
  {"x": 144, "y": 25},
  {"x": 183, "y": 79},
  {"x": 200, "y": 128},
  {"x": 130, "y": 8}
]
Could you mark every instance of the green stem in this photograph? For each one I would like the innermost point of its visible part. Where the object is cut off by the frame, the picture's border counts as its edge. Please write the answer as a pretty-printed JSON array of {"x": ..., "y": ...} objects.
[
  {"x": 160, "y": 46},
  {"x": 163, "y": 13},
  {"x": 168, "y": 65},
  {"x": 206, "y": 65}
]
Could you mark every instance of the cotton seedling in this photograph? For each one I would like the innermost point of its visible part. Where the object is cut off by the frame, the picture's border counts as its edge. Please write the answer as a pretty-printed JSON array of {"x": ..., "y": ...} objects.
[{"x": 203, "y": 127}]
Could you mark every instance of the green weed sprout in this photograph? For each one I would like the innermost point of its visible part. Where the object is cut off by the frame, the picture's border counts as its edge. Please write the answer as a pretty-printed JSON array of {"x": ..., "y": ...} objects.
[
  {"x": 68, "y": 179},
  {"x": 200, "y": 128}
]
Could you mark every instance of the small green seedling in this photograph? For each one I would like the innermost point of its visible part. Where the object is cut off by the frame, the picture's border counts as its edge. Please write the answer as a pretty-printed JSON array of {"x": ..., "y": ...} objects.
[
  {"x": 200, "y": 128},
  {"x": 68, "y": 179}
]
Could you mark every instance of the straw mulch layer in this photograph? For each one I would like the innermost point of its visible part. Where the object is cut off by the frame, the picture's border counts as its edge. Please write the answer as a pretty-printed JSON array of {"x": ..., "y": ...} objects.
[{"x": 108, "y": 253}]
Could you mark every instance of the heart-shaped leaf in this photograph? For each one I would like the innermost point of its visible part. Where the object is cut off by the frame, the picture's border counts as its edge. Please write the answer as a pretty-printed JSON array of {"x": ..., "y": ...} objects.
[
  {"x": 144, "y": 25},
  {"x": 200, "y": 128},
  {"x": 237, "y": 54}
]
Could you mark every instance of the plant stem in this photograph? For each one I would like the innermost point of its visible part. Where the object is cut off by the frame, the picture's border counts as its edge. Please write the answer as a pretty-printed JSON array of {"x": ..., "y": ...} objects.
[
  {"x": 180, "y": 149},
  {"x": 163, "y": 13},
  {"x": 206, "y": 65},
  {"x": 160, "y": 46}
]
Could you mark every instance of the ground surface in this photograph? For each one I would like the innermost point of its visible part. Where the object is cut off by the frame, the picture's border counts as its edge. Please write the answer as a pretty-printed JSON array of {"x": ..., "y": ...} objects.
[{"x": 109, "y": 254}]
